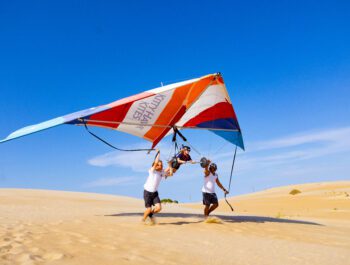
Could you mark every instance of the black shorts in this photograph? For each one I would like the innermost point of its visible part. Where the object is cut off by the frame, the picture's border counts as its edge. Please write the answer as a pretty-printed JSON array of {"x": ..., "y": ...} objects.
[
  {"x": 210, "y": 198},
  {"x": 151, "y": 198}
]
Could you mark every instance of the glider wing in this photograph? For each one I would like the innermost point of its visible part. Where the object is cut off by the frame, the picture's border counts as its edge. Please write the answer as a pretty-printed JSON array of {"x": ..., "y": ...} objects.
[{"x": 201, "y": 103}]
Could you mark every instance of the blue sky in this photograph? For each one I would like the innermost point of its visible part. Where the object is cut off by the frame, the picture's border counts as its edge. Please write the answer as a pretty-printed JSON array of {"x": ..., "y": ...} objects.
[{"x": 286, "y": 66}]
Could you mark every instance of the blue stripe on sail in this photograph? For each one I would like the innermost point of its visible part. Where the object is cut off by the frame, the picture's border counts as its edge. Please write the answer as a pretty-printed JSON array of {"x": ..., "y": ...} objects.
[
  {"x": 227, "y": 123},
  {"x": 67, "y": 119},
  {"x": 34, "y": 128},
  {"x": 233, "y": 137}
]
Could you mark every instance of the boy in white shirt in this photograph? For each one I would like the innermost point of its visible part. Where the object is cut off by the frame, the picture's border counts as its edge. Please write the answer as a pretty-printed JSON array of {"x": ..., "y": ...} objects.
[
  {"x": 210, "y": 199},
  {"x": 150, "y": 193}
]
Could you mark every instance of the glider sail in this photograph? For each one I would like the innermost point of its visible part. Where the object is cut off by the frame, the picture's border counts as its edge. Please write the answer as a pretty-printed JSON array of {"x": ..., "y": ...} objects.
[{"x": 200, "y": 103}]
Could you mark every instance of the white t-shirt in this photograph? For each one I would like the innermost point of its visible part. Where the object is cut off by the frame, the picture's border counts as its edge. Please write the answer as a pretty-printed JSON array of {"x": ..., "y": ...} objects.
[
  {"x": 209, "y": 183},
  {"x": 153, "y": 180}
]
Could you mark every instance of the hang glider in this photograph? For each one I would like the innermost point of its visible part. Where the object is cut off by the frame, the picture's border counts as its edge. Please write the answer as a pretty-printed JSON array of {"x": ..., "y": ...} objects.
[{"x": 200, "y": 103}]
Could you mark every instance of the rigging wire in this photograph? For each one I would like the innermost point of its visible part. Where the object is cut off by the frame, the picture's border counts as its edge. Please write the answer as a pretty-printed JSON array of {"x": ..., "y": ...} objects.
[
  {"x": 152, "y": 125},
  {"x": 110, "y": 145}
]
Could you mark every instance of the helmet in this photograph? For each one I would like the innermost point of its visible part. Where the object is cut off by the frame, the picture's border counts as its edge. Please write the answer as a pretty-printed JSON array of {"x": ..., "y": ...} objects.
[
  {"x": 204, "y": 162},
  {"x": 213, "y": 166},
  {"x": 186, "y": 148}
]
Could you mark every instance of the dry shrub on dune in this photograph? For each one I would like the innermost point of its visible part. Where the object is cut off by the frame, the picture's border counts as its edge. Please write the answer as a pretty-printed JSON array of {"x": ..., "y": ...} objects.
[{"x": 294, "y": 192}]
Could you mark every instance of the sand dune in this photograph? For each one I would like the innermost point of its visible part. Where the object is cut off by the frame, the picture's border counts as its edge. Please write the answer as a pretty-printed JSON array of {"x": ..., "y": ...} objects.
[
  {"x": 328, "y": 200},
  {"x": 270, "y": 227}
]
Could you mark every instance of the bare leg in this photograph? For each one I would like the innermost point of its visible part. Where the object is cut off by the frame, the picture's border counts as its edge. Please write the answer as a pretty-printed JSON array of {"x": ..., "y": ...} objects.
[
  {"x": 168, "y": 171},
  {"x": 146, "y": 213},
  {"x": 213, "y": 207},
  {"x": 157, "y": 208},
  {"x": 171, "y": 172},
  {"x": 206, "y": 211}
]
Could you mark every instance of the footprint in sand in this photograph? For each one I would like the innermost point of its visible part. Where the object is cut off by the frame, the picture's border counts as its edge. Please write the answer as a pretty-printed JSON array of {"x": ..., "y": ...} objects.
[
  {"x": 27, "y": 258},
  {"x": 6, "y": 257},
  {"x": 30, "y": 258},
  {"x": 16, "y": 244},
  {"x": 5, "y": 249},
  {"x": 53, "y": 256},
  {"x": 34, "y": 250},
  {"x": 81, "y": 238}
]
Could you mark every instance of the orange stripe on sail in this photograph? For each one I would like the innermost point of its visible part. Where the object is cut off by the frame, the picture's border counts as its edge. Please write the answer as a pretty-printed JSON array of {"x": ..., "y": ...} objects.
[
  {"x": 177, "y": 117},
  {"x": 197, "y": 89},
  {"x": 183, "y": 97},
  {"x": 169, "y": 111}
]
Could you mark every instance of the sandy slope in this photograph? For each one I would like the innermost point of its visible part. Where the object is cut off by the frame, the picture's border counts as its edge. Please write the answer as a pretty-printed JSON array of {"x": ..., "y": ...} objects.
[
  {"x": 271, "y": 227},
  {"x": 328, "y": 200}
]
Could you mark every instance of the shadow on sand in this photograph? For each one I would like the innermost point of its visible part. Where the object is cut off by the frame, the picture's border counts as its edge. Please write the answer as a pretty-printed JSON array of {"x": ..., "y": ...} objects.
[{"x": 225, "y": 218}]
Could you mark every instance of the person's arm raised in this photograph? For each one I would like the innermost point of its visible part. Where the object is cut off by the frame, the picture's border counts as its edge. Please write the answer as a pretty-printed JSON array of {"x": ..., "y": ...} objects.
[{"x": 156, "y": 159}]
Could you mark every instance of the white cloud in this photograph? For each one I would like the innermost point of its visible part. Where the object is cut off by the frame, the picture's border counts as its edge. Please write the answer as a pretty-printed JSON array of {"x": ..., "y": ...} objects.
[
  {"x": 293, "y": 155},
  {"x": 336, "y": 135},
  {"x": 287, "y": 151},
  {"x": 107, "y": 182},
  {"x": 137, "y": 161}
]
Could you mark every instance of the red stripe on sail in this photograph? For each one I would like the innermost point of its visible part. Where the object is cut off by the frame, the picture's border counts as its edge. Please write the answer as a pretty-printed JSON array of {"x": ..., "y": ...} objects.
[
  {"x": 220, "y": 110},
  {"x": 117, "y": 112}
]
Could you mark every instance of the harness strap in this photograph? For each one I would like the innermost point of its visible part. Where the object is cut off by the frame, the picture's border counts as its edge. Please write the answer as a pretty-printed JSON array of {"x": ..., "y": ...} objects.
[
  {"x": 110, "y": 145},
  {"x": 177, "y": 132}
]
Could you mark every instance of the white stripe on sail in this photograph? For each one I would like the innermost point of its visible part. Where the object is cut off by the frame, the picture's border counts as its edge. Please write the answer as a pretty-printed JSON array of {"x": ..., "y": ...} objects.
[
  {"x": 145, "y": 111},
  {"x": 210, "y": 97}
]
